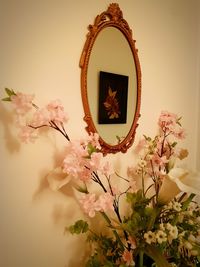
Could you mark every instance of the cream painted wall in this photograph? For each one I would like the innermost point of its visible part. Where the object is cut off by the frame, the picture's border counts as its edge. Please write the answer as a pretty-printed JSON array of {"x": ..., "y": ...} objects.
[
  {"x": 198, "y": 95},
  {"x": 40, "y": 46}
]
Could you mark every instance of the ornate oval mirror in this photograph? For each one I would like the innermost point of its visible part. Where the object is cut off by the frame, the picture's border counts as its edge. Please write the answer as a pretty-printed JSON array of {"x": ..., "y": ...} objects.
[{"x": 111, "y": 81}]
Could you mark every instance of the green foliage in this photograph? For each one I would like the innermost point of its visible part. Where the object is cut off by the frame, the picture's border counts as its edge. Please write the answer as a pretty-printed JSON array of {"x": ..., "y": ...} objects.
[
  {"x": 142, "y": 217},
  {"x": 156, "y": 255},
  {"x": 91, "y": 149},
  {"x": 79, "y": 227},
  {"x": 9, "y": 93}
]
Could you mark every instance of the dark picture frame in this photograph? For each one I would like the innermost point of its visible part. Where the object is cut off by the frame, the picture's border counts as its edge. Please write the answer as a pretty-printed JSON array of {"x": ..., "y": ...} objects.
[{"x": 113, "y": 95}]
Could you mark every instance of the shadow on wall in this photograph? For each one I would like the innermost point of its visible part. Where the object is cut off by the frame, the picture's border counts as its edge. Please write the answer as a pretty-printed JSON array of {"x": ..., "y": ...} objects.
[
  {"x": 7, "y": 120},
  {"x": 82, "y": 248}
]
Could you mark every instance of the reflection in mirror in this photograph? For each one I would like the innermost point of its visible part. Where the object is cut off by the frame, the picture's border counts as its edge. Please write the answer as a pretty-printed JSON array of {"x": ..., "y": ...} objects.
[{"x": 111, "y": 81}]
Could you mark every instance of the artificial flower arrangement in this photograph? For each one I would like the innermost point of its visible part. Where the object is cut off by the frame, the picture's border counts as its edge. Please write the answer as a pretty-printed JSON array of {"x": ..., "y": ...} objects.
[{"x": 160, "y": 224}]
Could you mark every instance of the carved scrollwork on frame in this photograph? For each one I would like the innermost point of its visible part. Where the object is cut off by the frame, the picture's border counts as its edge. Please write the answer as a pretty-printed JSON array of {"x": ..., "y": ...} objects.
[{"x": 109, "y": 46}]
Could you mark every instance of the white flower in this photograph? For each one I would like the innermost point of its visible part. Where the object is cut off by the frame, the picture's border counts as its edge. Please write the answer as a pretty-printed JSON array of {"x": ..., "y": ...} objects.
[
  {"x": 176, "y": 206},
  {"x": 161, "y": 236},
  {"x": 188, "y": 182},
  {"x": 173, "y": 232},
  {"x": 162, "y": 227},
  {"x": 149, "y": 237},
  {"x": 169, "y": 226},
  {"x": 177, "y": 180},
  {"x": 168, "y": 191},
  {"x": 142, "y": 163}
]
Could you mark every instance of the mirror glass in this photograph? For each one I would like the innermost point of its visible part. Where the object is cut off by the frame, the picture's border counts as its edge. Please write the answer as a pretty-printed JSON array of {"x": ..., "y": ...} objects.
[{"x": 111, "y": 81}]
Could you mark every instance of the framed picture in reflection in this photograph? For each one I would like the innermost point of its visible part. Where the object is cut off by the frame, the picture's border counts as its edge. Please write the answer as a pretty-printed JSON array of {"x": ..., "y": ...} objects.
[{"x": 113, "y": 94}]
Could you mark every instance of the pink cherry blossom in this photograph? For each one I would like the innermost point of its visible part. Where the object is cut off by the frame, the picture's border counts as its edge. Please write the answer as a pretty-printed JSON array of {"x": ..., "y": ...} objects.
[
  {"x": 27, "y": 134},
  {"x": 76, "y": 161},
  {"x": 159, "y": 161},
  {"x": 98, "y": 163},
  {"x": 40, "y": 117},
  {"x": 170, "y": 122},
  {"x": 76, "y": 166},
  {"x": 106, "y": 168},
  {"x": 56, "y": 112},
  {"x": 167, "y": 120},
  {"x": 93, "y": 139},
  {"x": 105, "y": 202},
  {"x": 95, "y": 160},
  {"x": 180, "y": 133},
  {"x": 22, "y": 103},
  {"x": 88, "y": 203}
]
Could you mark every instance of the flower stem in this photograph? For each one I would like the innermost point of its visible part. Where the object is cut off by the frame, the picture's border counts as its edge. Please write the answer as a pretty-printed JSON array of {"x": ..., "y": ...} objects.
[
  {"x": 143, "y": 192},
  {"x": 141, "y": 257},
  {"x": 114, "y": 231}
]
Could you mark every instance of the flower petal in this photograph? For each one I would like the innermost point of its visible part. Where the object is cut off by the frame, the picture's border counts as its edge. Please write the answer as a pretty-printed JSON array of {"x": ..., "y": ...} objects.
[{"x": 188, "y": 182}]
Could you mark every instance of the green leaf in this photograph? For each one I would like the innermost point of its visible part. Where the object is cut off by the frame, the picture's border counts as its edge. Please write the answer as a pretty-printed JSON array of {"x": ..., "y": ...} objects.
[
  {"x": 6, "y": 99},
  {"x": 156, "y": 255},
  {"x": 9, "y": 92},
  {"x": 174, "y": 144},
  {"x": 93, "y": 262},
  {"x": 152, "y": 215},
  {"x": 91, "y": 149},
  {"x": 108, "y": 264},
  {"x": 81, "y": 189},
  {"x": 79, "y": 227},
  {"x": 187, "y": 202},
  {"x": 147, "y": 138}
]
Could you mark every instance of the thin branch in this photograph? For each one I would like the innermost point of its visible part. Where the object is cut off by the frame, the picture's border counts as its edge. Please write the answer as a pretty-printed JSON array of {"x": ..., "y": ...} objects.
[{"x": 122, "y": 177}]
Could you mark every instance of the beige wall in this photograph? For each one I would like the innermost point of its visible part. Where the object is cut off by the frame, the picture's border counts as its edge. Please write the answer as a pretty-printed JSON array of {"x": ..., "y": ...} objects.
[{"x": 40, "y": 47}]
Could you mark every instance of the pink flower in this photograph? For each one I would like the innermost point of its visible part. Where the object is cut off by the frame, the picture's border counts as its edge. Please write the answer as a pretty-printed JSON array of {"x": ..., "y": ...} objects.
[
  {"x": 88, "y": 203},
  {"x": 159, "y": 161},
  {"x": 93, "y": 139},
  {"x": 40, "y": 117},
  {"x": 22, "y": 103},
  {"x": 27, "y": 134},
  {"x": 170, "y": 122},
  {"x": 128, "y": 258},
  {"x": 105, "y": 202},
  {"x": 56, "y": 112},
  {"x": 76, "y": 162},
  {"x": 167, "y": 120},
  {"x": 76, "y": 166},
  {"x": 180, "y": 133},
  {"x": 106, "y": 169},
  {"x": 95, "y": 160}
]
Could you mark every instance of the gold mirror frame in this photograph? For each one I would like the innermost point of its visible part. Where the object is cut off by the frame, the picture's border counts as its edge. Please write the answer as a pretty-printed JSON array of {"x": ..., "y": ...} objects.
[{"x": 113, "y": 17}]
